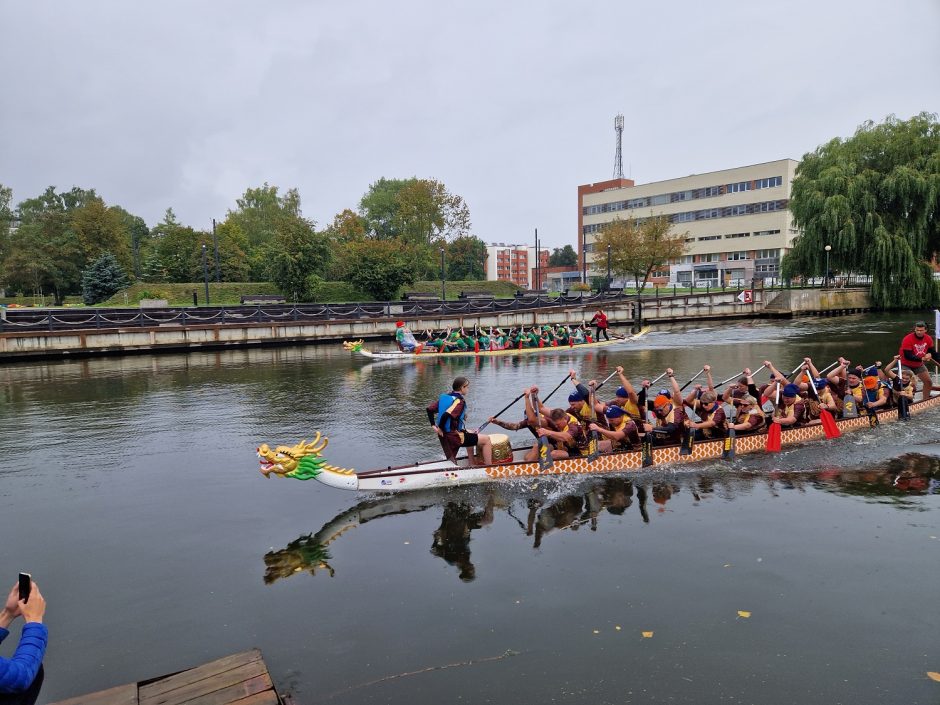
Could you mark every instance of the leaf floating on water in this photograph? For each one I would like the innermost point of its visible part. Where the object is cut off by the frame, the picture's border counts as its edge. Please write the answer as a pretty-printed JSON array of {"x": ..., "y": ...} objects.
[
  {"x": 617, "y": 627},
  {"x": 647, "y": 635},
  {"x": 597, "y": 631},
  {"x": 726, "y": 565},
  {"x": 934, "y": 676},
  {"x": 742, "y": 613}
]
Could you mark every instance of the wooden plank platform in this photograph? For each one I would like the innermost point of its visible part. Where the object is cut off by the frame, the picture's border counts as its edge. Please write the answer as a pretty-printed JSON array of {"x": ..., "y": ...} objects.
[{"x": 239, "y": 679}]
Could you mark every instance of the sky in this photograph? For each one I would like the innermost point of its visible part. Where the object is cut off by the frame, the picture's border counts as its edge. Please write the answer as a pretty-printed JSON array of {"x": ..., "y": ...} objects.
[{"x": 186, "y": 103}]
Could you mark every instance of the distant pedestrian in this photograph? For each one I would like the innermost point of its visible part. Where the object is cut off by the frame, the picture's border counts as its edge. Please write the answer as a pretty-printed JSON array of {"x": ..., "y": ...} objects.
[{"x": 599, "y": 321}]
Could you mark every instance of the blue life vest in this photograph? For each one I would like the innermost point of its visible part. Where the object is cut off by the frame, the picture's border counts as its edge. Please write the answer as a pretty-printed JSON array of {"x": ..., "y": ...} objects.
[{"x": 444, "y": 404}]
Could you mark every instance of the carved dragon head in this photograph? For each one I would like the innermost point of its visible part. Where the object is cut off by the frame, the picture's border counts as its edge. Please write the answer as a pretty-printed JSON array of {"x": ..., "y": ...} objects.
[
  {"x": 301, "y": 462},
  {"x": 353, "y": 345}
]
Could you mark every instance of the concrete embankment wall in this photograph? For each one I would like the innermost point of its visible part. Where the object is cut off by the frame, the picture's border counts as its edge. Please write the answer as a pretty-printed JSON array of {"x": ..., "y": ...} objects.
[{"x": 45, "y": 344}]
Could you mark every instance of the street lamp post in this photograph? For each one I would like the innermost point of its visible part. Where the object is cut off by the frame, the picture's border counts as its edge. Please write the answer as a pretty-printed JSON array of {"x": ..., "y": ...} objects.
[
  {"x": 826, "y": 280},
  {"x": 443, "y": 280},
  {"x": 608, "y": 269},
  {"x": 215, "y": 243},
  {"x": 205, "y": 273},
  {"x": 584, "y": 258}
]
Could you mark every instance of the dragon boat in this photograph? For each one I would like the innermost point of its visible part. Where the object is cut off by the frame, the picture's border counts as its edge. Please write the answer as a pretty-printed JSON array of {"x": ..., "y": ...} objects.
[
  {"x": 305, "y": 461},
  {"x": 358, "y": 346}
]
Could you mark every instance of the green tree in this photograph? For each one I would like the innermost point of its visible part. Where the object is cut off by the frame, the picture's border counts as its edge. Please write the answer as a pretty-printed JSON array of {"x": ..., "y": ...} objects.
[
  {"x": 637, "y": 247},
  {"x": 6, "y": 219},
  {"x": 875, "y": 198},
  {"x": 50, "y": 247},
  {"x": 298, "y": 254},
  {"x": 100, "y": 229},
  {"x": 465, "y": 259},
  {"x": 178, "y": 248},
  {"x": 233, "y": 246},
  {"x": 563, "y": 257},
  {"x": 421, "y": 211},
  {"x": 139, "y": 235},
  {"x": 382, "y": 267},
  {"x": 103, "y": 279},
  {"x": 152, "y": 269}
]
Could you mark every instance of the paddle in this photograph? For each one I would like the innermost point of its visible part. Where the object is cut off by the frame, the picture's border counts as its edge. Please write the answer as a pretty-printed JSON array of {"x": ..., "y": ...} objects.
[
  {"x": 692, "y": 380},
  {"x": 904, "y": 407},
  {"x": 545, "y": 446},
  {"x": 593, "y": 444},
  {"x": 774, "y": 432},
  {"x": 503, "y": 410},
  {"x": 606, "y": 380},
  {"x": 646, "y": 450},
  {"x": 830, "y": 427},
  {"x": 567, "y": 377},
  {"x": 727, "y": 452},
  {"x": 688, "y": 438}
]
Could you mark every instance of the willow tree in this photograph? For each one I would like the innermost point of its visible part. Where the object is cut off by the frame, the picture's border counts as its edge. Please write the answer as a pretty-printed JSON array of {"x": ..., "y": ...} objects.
[
  {"x": 875, "y": 199},
  {"x": 638, "y": 246}
]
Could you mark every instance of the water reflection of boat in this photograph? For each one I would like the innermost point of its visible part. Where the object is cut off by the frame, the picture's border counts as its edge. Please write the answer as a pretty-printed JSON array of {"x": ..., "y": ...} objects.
[
  {"x": 303, "y": 461},
  {"x": 544, "y": 512}
]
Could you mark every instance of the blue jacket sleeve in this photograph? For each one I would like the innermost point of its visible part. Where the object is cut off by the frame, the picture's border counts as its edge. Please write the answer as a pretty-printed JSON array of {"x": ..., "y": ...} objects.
[{"x": 18, "y": 673}]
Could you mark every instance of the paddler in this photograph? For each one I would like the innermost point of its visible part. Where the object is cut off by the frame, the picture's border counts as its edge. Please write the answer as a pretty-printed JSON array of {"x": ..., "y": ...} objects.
[
  {"x": 823, "y": 398},
  {"x": 750, "y": 417},
  {"x": 562, "y": 430},
  {"x": 447, "y": 417},
  {"x": 713, "y": 422},
  {"x": 405, "y": 338},
  {"x": 620, "y": 429},
  {"x": 876, "y": 397},
  {"x": 627, "y": 398},
  {"x": 791, "y": 410},
  {"x": 846, "y": 381},
  {"x": 670, "y": 416},
  {"x": 903, "y": 384}
]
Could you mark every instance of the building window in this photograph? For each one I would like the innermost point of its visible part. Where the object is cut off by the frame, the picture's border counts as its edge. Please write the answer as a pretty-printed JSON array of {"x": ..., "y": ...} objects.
[
  {"x": 709, "y": 258},
  {"x": 761, "y": 233},
  {"x": 731, "y": 236},
  {"x": 709, "y": 237},
  {"x": 738, "y": 255},
  {"x": 767, "y": 254},
  {"x": 740, "y": 186}
]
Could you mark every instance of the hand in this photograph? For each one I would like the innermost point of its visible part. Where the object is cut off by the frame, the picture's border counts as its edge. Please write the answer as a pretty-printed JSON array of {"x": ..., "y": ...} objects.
[
  {"x": 747, "y": 371},
  {"x": 573, "y": 374},
  {"x": 11, "y": 610},
  {"x": 491, "y": 419},
  {"x": 697, "y": 387},
  {"x": 645, "y": 384},
  {"x": 706, "y": 369},
  {"x": 533, "y": 390},
  {"x": 807, "y": 360},
  {"x": 895, "y": 358},
  {"x": 543, "y": 432},
  {"x": 593, "y": 427},
  {"x": 619, "y": 370},
  {"x": 768, "y": 364},
  {"x": 877, "y": 363},
  {"x": 592, "y": 383},
  {"x": 438, "y": 431},
  {"x": 33, "y": 610},
  {"x": 775, "y": 419},
  {"x": 669, "y": 372},
  {"x": 648, "y": 428}
]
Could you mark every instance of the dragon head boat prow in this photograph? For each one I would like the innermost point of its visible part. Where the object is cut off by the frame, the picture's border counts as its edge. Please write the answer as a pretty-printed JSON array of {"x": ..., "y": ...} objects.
[
  {"x": 304, "y": 462},
  {"x": 353, "y": 345}
]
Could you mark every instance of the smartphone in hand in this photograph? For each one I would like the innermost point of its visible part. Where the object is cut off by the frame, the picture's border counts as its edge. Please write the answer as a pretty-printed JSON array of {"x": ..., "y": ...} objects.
[{"x": 26, "y": 584}]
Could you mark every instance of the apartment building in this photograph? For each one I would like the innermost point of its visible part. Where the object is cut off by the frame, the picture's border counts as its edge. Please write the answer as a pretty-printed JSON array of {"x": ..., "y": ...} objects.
[
  {"x": 736, "y": 222},
  {"x": 515, "y": 263}
]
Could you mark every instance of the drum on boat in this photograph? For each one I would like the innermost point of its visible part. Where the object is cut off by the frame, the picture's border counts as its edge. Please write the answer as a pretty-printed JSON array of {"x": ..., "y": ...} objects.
[{"x": 502, "y": 450}]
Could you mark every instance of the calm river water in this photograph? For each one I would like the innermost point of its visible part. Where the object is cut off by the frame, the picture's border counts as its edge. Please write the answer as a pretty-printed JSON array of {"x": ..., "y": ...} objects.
[{"x": 130, "y": 489}]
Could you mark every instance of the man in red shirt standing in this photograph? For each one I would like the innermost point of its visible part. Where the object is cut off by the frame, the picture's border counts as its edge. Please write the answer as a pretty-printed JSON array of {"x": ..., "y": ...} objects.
[
  {"x": 916, "y": 349},
  {"x": 600, "y": 322}
]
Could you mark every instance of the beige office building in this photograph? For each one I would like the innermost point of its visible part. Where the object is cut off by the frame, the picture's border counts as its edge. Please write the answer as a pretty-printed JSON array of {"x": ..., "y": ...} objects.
[{"x": 737, "y": 221}]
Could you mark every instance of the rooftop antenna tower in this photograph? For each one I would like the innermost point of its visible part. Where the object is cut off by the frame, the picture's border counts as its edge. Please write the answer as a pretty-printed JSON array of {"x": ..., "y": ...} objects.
[{"x": 618, "y": 157}]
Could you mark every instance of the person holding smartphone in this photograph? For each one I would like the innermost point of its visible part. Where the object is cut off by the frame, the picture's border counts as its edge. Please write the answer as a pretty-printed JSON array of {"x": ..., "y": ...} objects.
[{"x": 18, "y": 673}]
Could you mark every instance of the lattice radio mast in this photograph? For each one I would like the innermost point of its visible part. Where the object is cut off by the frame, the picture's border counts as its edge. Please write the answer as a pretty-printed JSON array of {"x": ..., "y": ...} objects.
[{"x": 618, "y": 157}]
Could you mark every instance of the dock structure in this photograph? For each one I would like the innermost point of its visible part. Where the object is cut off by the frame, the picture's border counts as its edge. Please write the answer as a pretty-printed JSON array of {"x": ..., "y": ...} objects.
[{"x": 239, "y": 679}]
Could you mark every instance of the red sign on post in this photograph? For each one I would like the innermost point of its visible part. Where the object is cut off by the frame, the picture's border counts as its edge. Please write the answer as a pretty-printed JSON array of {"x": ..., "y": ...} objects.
[{"x": 746, "y": 296}]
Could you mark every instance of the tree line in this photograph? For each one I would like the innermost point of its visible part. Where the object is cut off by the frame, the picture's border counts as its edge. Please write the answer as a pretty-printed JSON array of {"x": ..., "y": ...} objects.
[{"x": 66, "y": 242}]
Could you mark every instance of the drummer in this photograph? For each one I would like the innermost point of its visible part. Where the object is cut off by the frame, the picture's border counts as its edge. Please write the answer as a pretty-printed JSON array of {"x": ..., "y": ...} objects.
[{"x": 447, "y": 419}]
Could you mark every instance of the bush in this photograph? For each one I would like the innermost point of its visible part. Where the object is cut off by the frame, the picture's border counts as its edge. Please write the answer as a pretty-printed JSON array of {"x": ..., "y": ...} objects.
[{"x": 103, "y": 279}]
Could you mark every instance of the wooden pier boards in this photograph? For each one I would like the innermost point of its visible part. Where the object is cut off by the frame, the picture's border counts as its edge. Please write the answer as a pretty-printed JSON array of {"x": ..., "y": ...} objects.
[{"x": 239, "y": 679}]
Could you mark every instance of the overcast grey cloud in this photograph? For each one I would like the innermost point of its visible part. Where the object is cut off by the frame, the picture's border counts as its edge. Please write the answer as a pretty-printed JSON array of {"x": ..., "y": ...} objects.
[{"x": 511, "y": 105}]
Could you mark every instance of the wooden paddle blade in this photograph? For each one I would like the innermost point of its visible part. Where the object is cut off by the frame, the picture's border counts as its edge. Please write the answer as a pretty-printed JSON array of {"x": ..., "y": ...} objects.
[
  {"x": 688, "y": 438},
  {"x": 849, "y": 407},
  {"x": 727, "y": 452},
  {"x": 830, "y": 427},
  {"x": 773, "y": 438},
  {"x": 593, "y": 447},
  {"x": 545, "y": 454},
  {"x": 646, "y": 451},
  {"x": 872, "y": 418},
  {"x": 904, "y": 408}
]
